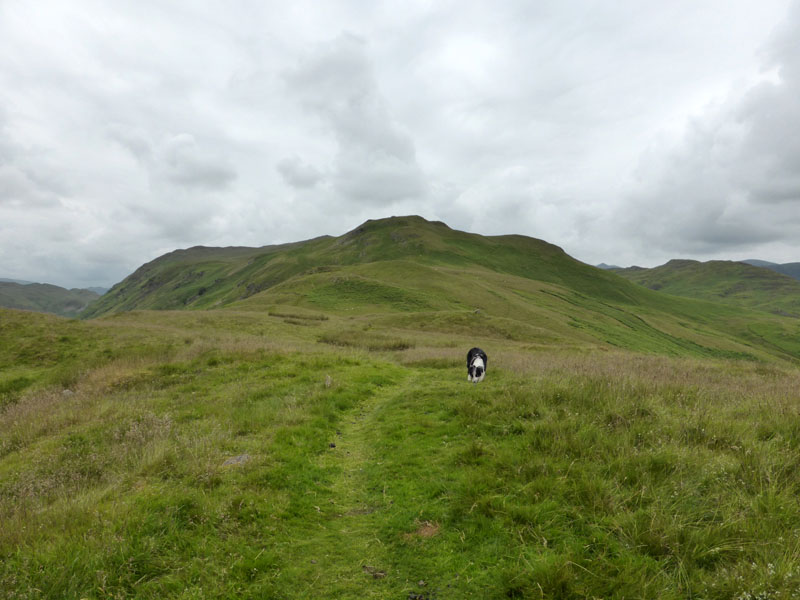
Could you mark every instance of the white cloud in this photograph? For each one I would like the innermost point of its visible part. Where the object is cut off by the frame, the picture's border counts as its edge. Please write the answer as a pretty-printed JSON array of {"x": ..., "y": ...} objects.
[
  {"x": 376, "y": 162},
  {"x": 730, "y": 184},
  {"x": 298, "y": 174},
  {"x": 133, "y": 128}
]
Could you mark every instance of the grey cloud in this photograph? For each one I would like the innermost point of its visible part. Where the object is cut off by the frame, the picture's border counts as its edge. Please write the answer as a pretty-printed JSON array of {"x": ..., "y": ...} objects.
[
  {"x": 187, "y": 163},
  {"x": 133, "y": 140},
  {"x": 132, "y": 130},
  {"x": 734, "y": 179},
  {"x": 19, "y": 188},
  {"x": 298, "y": 174},
  {"x": 380, "y": 179},
  {"x": 177, "y": 159},
  {"x": 376, "y": 161},
  {"x": 20, "y": 184}
]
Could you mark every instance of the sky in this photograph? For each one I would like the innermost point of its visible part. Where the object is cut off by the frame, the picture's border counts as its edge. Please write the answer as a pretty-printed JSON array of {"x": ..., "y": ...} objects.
[{"x": 626, "y": 132}]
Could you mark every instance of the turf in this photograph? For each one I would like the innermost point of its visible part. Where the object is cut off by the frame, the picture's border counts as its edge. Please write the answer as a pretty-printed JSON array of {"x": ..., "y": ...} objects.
[
  {"x": 44, "y": 297},
  {"x": 726, "y": 282},
  {"x": 295, "y": 422},
  {"x": 294, "y": 454}
]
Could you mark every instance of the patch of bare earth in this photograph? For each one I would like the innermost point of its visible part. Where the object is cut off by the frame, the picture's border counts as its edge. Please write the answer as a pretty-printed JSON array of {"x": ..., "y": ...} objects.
[{"x": 426, "y": 529}]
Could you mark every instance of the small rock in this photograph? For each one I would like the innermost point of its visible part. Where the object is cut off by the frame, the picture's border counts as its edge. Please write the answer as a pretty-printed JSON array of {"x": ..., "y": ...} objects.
[
  {"x": 236, "y": 460},
  {"x": 67, "y": 393},
  {"x": 313, "y": 562},
  {"x": 421, "y": 583},
  {"x": 374, "y": 571},
  {"x": 331, "y": 445}
]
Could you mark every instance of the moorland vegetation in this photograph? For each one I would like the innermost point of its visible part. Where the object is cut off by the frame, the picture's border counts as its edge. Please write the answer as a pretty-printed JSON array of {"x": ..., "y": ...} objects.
[{"x": 303, "y": 428}]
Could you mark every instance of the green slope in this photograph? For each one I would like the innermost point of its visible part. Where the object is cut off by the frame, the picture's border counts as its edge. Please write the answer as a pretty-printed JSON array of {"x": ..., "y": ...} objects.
[
  {"x": 213, "y": 277},
  {"x": 238, "y": 454},
  {"x": 790, "y": 269},
  {"x": 43, "y": 297},
  {"x": 733, "y": 283},
  {"x": 408, "y": 274}
]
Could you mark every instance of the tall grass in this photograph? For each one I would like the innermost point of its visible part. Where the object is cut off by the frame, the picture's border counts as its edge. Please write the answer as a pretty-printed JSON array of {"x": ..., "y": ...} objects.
[{"x": 358, "y": 473}]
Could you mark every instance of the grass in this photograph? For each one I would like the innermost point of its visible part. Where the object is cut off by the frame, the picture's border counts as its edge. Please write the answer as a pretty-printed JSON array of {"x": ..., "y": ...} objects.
[
  {"x": 45, "y": 298},
  {"x": 203, "y": 278},
  {"x": 277, "y": 454},
  {"x": 726, "y": 282}
]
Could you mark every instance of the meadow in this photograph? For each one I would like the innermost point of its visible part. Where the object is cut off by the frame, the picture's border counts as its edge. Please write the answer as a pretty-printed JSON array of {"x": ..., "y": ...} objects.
[{"x": 289, "y": 453}]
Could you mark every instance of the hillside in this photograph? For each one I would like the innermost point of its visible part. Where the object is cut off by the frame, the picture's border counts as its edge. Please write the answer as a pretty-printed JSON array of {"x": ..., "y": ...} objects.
[
  {"x": 297, "y": 454},
  {"x": 790, "y": 269},
  {"x": 214, "y": 277},
  {"x": 727, "y": 282},
  {"x": 43, "y": 297},
  {"x": 409, "y": 274},
  {"x": 302, "y": 428}
]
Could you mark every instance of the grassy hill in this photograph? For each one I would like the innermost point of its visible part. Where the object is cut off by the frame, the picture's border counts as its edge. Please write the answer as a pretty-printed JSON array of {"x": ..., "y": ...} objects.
[
  {"x": 727, "y": 282},
  {"x": 408, "y": 273},
  {"x": 215, "y": 277},
  {"x": 43, "y": 297},
  {"x": 315, "y": 436},
  {"x": 238, "y": 453},
  {"x": 790, "y": 269}
]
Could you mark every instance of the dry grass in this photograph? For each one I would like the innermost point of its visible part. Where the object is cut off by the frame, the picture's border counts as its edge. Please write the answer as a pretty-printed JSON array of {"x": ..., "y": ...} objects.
[
  {"x": 726, "y": 380},
  {"x": 565, "y": 472},
  {"x": 426, "y": 529}
]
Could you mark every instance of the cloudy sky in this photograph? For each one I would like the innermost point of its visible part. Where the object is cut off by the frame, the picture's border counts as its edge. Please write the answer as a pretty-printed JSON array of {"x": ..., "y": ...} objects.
[{"x": 628, "y": 132}]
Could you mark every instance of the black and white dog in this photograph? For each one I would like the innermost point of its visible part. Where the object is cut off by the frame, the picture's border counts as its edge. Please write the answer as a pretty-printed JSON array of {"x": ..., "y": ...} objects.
[{"x": 476, "y": 365}]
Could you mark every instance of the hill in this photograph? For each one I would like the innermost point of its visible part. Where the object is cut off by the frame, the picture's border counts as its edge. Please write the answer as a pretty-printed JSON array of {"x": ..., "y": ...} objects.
[
  {"x": 290, "y": 453},
  {"x": 43, "y": 297},
  {"x": 727, "y": 282},
  {"x": 303, "y": 428},
  {"x": 409, "y": 274},
  {"x": 790, "y": 269},
  {"x": 203, "y": 277}
]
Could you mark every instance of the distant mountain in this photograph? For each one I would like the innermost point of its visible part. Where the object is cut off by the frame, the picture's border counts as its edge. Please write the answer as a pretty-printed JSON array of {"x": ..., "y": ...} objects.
[
  {"x": 728, "y": 282},
  {"x": 759, "y": 263},
  {"x": 43, "y": 297},
  {"x": 97, "y": 290},
  {"x": 203, "y": 277},
  {"x": 414, "y": 274},
  {"x": 606, "y": 267},
  {"x": 790, "y": 269}
]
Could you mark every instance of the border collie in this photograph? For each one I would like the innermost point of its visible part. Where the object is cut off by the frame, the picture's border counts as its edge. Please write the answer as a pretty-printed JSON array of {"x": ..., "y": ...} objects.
[{"x": 476, "y": 365}]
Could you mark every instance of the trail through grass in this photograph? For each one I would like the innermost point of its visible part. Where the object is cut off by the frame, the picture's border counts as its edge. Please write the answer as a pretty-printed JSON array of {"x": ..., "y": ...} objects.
[
  {"x": 345, "y": 552},
  {"x": 189, "y": 456}
]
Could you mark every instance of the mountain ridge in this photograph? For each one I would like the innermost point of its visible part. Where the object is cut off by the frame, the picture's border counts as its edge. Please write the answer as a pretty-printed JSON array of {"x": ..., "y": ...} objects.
[
  {"x": 45, "y": 297},
  {"x": 791, "y": 269},
  {"x": 728, "y": 282},
  {"x": 203, "y": 277},
  {"x": 413, "y": 274}
]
